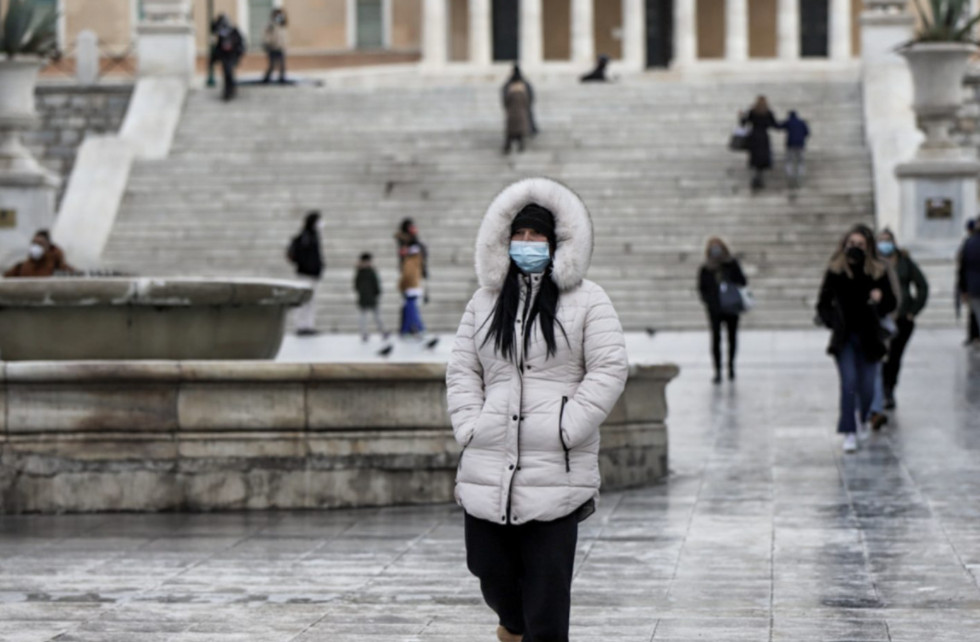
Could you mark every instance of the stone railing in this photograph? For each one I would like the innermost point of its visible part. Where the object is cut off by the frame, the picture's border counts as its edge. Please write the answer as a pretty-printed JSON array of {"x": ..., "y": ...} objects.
[{"x": 171, "y": 435}]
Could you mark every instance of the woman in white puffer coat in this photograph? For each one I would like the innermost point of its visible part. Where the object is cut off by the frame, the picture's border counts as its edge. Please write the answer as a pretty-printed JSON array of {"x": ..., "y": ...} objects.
[{"x": 538, "y": 363}]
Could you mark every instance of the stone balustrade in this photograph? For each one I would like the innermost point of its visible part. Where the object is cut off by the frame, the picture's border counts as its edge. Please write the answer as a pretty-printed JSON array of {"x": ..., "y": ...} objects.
[{"x": 184, "y": 435}]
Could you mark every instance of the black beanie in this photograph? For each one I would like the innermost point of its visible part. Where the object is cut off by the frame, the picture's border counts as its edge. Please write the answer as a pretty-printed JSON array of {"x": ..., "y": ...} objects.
[{"x": 537, "y": 218}]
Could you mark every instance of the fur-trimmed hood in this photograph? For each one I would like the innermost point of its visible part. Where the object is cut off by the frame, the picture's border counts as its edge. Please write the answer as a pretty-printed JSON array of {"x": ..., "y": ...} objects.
[{"x": 573, "y": 232}]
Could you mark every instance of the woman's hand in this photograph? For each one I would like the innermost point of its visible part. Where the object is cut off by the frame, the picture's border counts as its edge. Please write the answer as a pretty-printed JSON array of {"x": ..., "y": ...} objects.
[{"x": 876, "y": 296}]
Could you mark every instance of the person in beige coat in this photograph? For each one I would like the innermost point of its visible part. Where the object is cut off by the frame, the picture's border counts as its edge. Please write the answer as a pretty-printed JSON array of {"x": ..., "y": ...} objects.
[
  {"x": 538, "y": 363},
  {"x": 517, "y": 106},
  {"x": 274, "y": 43}
]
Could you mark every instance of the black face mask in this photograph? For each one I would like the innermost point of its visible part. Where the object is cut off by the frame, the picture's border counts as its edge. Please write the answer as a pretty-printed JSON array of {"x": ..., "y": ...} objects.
[{"x": 855, "y": 255}]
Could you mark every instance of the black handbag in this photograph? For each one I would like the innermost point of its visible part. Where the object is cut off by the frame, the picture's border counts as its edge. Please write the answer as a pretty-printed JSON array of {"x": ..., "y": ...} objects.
[{"x": 730, "y": 299}]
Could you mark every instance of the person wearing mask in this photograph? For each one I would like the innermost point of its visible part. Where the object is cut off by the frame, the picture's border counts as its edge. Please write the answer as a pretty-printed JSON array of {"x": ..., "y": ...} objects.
[
  {"x": 855, "y": 295},
  {"x": 972, "y": 327},
  {"x": 229, "y": 47},
  {"x": 797, "y": 132},
  {"x": 517, "y": 77},
  {"x": 968, "y": 273},
  {"x": 914, "y": 293},
  {"x": 305, "y": 254},
  {"x": 44, "y": 258},
  {"x": 719, "y": 281},
  {"x": 760, "y": 119},
  {"x": 538, "y": 362},
  {"x": 413, "y": 263},
  {"x": 368, "y": 288},
  {"x": 274, "y": 42}
]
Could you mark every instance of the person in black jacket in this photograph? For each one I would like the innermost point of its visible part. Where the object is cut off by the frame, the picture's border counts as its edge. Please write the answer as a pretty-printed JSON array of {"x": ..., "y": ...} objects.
[
  {"x": 856, "y": 293},
  {"x": 721, "y": 275},
  {"x": 304, "y": 253},
  {"x": 229, "y": 47},
  {"x": 368, "y": 288},
  {"x": 760, "y": 151},
  {"x": 962, "y": 290}
]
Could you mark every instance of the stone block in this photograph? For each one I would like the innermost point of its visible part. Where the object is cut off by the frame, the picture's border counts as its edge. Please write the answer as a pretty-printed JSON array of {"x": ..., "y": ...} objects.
[
  {"x": 49, "y": 453},
  {"x": 89, "y": 491},
  {"x": 241, "y": 448},
  {"x": 383, "y": 404},
  {"x": 217, "y": 406},
  {"x": 91, "y": 407}
]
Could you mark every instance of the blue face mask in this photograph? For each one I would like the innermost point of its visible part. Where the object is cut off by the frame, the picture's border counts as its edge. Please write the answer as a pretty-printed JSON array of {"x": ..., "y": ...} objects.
[
  {"x": 886, "y": 248},
  {"x": 532, "y": 257}
]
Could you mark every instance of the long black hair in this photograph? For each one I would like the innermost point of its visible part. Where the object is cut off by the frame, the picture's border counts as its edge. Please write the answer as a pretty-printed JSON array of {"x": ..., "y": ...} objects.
[{"x": 504, "y": 315}]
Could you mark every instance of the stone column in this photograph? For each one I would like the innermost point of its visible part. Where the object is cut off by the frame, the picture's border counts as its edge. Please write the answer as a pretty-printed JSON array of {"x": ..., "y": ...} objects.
[
  {"x": 87, "y": 58},
  {"x": 435, "y": 41},
  {"x": 788, "y": 29},
  {"x": 583, "y": 32},
  {"x": 634, "y": 34},
  {"x": 840, "y": 29},
  {"x": 166, "y": 44},
  {"x": 685, "y": 33},
  {"x": 531, "y": 43},
  {"x": 736, "y": 30},
  {"x": 480, "y": 33}
]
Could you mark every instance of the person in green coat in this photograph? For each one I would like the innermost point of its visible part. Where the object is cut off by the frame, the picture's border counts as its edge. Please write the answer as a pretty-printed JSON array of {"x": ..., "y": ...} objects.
[{"x": 914, "y": 295}]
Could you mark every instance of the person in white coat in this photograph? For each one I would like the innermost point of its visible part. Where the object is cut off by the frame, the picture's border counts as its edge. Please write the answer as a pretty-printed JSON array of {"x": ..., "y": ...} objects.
[{"x": 538, "y": 363}]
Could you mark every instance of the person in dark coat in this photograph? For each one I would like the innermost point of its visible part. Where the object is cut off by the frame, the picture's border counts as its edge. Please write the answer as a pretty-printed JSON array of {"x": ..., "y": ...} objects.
[
  {"x": 968, "y": 272},
  {"x": 229, "y": 47},
  {"x": 599, "y": 73},
  {"x": 855, "y": 295},
  {"x": 760, "y": 119},
  {"x": 914, "y": 291},
  {"x": 797, "y": 132},
  {"x": 368, "y": 288},
  {"x": 973, "y": 329},
  {"x": 720, "y": 270},
  {"x": 44, "y": 258},
  {"x": 517, "y": 76},
  {"x": 304, "y": 253},
  {"x": 518, "y": 121}
]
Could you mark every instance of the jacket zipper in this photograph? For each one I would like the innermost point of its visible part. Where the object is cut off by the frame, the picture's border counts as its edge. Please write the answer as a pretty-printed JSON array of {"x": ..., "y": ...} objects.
[
  {"x": 520, "y": 405},
  {"x": 561, "y": 435}
]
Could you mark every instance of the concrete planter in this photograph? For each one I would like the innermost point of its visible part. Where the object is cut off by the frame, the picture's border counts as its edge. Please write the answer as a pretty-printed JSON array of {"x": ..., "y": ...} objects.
[
  {"x": 98, "y": 319},
  {"x": 937, "y": 76},
  {"x": 18, "y": 78}
]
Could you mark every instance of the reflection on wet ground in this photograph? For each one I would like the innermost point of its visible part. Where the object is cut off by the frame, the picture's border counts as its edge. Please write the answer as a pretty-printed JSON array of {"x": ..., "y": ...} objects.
[{"x": 765, "y": 531}]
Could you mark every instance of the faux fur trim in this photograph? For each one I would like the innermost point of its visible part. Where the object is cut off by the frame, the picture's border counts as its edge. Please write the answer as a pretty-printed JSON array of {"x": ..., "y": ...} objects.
[{"x": 573, "y": 232}]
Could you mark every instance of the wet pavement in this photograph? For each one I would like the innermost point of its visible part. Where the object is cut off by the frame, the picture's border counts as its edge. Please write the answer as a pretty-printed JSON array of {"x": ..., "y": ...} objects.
[{"x": 765, "y": 531}]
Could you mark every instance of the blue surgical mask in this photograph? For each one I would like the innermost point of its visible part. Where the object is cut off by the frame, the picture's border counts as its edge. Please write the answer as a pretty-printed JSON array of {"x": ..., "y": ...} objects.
[
  {"x": 886, "y": 248},
  {"x": 532, "y": 257}
]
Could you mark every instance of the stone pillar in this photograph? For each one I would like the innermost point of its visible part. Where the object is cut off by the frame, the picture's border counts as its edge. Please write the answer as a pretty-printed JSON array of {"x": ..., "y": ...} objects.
[
  {"x": 481, "y": 36},
  {"x": 685, "y": 33},
  {"x": 634, "y": 34},
  {"x": 583, "y": 32},
  {"x": 531, "y": 42},
  {"x": 165, "y": 44},
  {"x": 435, "y": 39},
  {"x": 736, "y": 30},
  {"x": 788, "y": 29},
  {"x": 87, "y": 58},
  {"x": 840, "y": 30}
]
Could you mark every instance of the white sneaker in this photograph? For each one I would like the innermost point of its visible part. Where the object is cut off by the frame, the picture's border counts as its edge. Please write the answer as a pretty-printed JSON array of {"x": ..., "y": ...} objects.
[
  {"x": 863, "y": 431},
  {"x": 850, "y": 443}
]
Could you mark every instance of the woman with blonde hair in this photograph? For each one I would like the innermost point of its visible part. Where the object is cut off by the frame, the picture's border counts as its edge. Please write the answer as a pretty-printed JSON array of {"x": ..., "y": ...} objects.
[
  {"x": 760, "y": 151},
  {"x": 855, "y": 295},
  {"x": 718, "y": 282}
]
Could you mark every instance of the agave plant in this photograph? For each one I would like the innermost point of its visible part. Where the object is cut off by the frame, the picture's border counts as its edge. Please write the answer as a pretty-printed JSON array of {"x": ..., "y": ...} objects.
[
  {"x": 29, "y": 30},
  {"x": 946, "y": 21}
]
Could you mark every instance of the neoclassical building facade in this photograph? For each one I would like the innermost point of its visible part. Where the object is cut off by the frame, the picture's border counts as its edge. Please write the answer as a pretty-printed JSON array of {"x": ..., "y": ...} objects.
[{"x": 641, "y": 33}]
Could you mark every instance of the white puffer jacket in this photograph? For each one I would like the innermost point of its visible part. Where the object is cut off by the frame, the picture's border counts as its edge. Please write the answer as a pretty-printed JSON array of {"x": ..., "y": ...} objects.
[{"x": 531, "y": 440}]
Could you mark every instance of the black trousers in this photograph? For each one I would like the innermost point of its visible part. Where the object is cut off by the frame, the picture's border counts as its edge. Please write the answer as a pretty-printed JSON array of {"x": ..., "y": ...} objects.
[
  {"x": 525, "y": 573},
  {"x": 228, "y": 71},
  {"x": 731, "y": 323},
  {"x": 896, "y": 349},
  {"x": 974, "y": 332},
  {"x": 277, "y": 58}
]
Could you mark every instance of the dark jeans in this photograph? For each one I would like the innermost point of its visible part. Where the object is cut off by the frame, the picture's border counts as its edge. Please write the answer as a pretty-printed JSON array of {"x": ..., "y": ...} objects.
[
  {"x": 228, "y": 71},
  {"x": 277, "y": 58},
  {"x": 974, "y": 332},
  {"x": 525, "y": 573},
  {"x": 857, "y": 383},
  {"x": 896, "y": 349},
  {"x": 731, "y": 323}
]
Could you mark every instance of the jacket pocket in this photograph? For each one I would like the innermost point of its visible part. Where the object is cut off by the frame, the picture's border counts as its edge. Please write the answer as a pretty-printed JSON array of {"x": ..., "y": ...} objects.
[{"x": 561, "y": 434}]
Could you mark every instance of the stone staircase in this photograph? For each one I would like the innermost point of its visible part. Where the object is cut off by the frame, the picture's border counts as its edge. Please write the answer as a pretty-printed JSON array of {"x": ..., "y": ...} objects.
[{"x": 647, "y": 154}]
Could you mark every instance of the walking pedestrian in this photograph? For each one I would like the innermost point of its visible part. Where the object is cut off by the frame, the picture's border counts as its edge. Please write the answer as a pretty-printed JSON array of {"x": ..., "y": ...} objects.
[
  {"x": 760, "y": 119},
  {"x": 538, "y": 363},
  {"x": 973, "y": 330},
  {"x": 274, "y": 42},
  {"x": 855, "y": 295},
  {"x": 517, "y": 102},
  {"x": 44, "y": 258},
  {"x": 797, "y": 132},
  {"x": 517, "y": 76},
  {"x": 719, "y": 281},
  {"x": 413, "y": 260},
  {"x": 304, "y": 252},
  {"x": 968, "y": 272},
  {"x": 229, "y": 48},
  {"x": 368, "y": 288},
  {"x": 914, "y": 294}
]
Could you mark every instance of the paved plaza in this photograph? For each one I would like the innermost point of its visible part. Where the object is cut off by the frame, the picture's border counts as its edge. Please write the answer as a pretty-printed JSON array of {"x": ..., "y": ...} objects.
[{"x": 764, "y": 531}]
